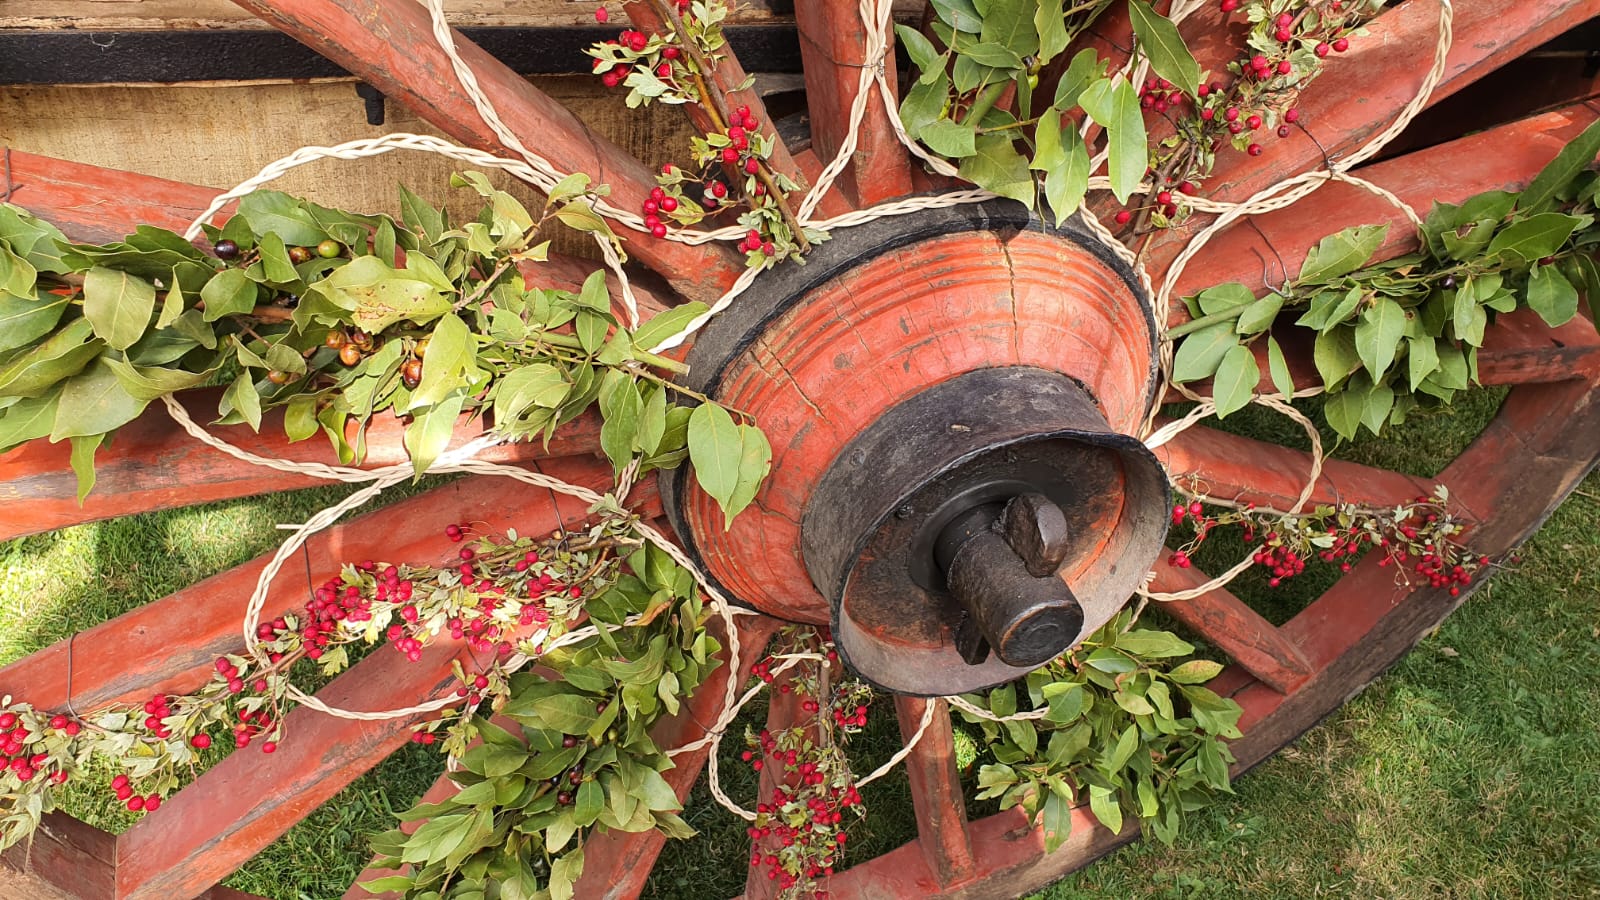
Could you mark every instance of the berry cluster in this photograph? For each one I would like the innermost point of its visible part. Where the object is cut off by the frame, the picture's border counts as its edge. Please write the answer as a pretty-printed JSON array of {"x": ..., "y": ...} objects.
[
  {"x": 123, "y": 790},
  {"x": 22, "y": 762},
  {"x": 1283, "y": 52},
  {"x": 1423, "y": 529},
  {"x": 643, "y": 62},
  {"x": 798, "y": 830}
]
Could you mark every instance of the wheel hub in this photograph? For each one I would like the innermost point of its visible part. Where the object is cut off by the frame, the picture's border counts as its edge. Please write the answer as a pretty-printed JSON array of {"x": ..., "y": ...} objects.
[{"x": 953, "y": 488}]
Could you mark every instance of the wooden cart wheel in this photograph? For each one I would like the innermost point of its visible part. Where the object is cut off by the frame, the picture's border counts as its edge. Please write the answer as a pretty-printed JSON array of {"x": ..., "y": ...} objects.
[{"x": 890, "y": 315}]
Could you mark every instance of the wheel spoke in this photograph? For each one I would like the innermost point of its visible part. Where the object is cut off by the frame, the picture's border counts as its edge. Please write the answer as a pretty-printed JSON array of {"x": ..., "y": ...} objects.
[
  {"x": 833, "y": 45},
  {"x": 936, "y": 792},
  {"x": 97, "y": 205},
  {"x": 190, "y": 628},
  {"x": 1504, "y": 157},
  {"x": 390, "y": 45},
  {"x": 1246, "y": 470},
  {"x": 1224, "y": 620}
]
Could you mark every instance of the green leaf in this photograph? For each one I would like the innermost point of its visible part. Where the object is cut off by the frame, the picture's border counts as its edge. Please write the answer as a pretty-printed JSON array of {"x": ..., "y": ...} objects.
[
  {"x": 1060, "y": 153},
  {"x": 539, "y": 385},
  {"x": 1148, "y": 644},
  {"x": 1200, "y": 352},
  {"x": 82, "y": 460},
  {"x": 378, "y": 295},
  {"x": 27, "y": 419},
  {"x": 620, "y": 411},
  {"x": 451, "y": 354},
  {"x": 1057, "y": 821},
  {"x": 1103, "y": 803},
  {"x": 1235, "y": 382},
  {"x": 1159, "y": 40},
  {"x": 1552, "y": 296},
  {"x": 1422, "y": 358},
  {"x": 1379, "y": 333},
  {"x": 242, "y": 398},
  {"x": 429, "y": 432},
  {"x": 1467, "y": 316},
  {"x": 300, "y": 417},
  {"x": 1009, "y": 23},
  {"x": 1575, "y": 157},
  {"x": 1342, "y": 409},
  {"x": 24, "y": 320},
  {"x": 1335, "y": 355},
  {"x": 1259, "y": 315},
  {"x": 172, "y": 305},
  {"x": 1050, "y": 21},
  {"x": 1535, "y": 237},
  {"x": 924, "y": 103},
  {"x": 94, "y": 402},
  {"x": 1195, "y": 671},
  {"x": 118, "y": 305},
  {"x": 959, "y": 14},
  {"x": 948, "y": 138},
  {"x": 275, "y": 263},
  {"x": 590, "y": 800},
  {"x": 229, "y": 292},
  {"x": 63, "y": 354},
  {"x": 652, "y": 423},
  {"x": 280, "y": 214},
  {"x": 921, "y": 50},
  {"x": 1085, "y": 69},
  {"x": 716, "y": 448},
  {"x": 150, "y": 382},
  {"x": 666, "y": 324},
  {"x": 566, "y": 713},
  {"x": 1340, "y": 254},
  {"x": 755, "y": 461},
  {"x": 997, "y": 166},
  {"x": 1114, "y": 104},
  {"x": 564, "y": 872},
  {"x": 1376, "y": 406},
  {"x": 1278, "y": 368}
]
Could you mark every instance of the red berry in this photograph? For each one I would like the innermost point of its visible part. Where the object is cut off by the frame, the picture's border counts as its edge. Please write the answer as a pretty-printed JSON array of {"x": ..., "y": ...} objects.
[
  {"x": 730, "y": 155},
  {"x": 1124, "y": 217},
  {"x": 1284, "y": 67},
  {"x": 1322, "y": 49},
  {"x": 668, "y": 204},
  {"x": 135, "y": 804},
  {"x": 1164, "y": 197},
  {"x": 1291, "y": 115},
  {"x": 200, "y": 741},
  {"x": 1229, "y": 6},
  {"x": 752, "y": 166},
  {"x": 152, "y": 803},
  {"x": 602, "y": 15},
  {"x": 1254, "y": 122},
  {"x": 664, "y": 70},
  {"x": 269, "y": 747},
  {"x": 1254, "y": 150},
  {"x": 1231, "y": 114},
  {"x": 1283, "y": 131},
  {"x": 1341, "y": 45}
]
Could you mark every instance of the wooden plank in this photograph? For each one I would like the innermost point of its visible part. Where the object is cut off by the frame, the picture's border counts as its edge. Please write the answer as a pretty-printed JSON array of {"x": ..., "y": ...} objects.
[
  {"x": 1224, "y": 620},
  {"x": 783, "y": 713},
  {"x": 832, "y": 43},
  {"x": 1231, "y": 467},
  {"x": 193, "y": 626},
  {"x": 936, "y": 792},
  {"x": 390, "y": 45}
]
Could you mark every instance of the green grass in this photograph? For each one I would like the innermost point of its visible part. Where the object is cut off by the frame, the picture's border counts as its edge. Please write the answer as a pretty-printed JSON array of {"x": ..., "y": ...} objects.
[{"x": 1469, "y": 771}]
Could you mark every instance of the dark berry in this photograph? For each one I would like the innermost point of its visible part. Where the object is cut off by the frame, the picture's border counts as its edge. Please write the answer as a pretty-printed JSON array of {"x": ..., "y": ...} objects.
[{"x": 226, "y": 250}]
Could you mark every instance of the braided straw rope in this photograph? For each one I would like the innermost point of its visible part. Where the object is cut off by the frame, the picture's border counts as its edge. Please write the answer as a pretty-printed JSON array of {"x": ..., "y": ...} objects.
[{"x": 876, "y": 16}]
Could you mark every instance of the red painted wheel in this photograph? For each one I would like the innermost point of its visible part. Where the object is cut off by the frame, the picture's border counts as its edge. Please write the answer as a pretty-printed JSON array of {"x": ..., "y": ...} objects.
[{"x": 895, "y": 310}]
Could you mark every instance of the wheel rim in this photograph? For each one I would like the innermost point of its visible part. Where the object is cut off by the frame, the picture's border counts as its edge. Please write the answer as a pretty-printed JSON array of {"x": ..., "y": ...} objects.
[{"x": 1285, "y": 677}]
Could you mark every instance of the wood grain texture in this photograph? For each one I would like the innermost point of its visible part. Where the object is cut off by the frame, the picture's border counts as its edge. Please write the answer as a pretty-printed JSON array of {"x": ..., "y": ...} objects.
[{"x": 1224, "y": 621}]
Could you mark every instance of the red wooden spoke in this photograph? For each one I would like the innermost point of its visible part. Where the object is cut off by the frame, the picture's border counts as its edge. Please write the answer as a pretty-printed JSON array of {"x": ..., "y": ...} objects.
[
  {"x": 98, "y": 205},
  {"x": 832, "y": 44},
  {"x": 185, "y": 631},
  {"x": 390, "y": 45},
  {"x": 783, "y": 713},
  {"x": 1230, "y": 467},
  {"x": 936, "y": 792},
  {"x": 726, "y": 78},
  {"x": 1224, "y": 620},
  {"x": 1502, "y": 158}
]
